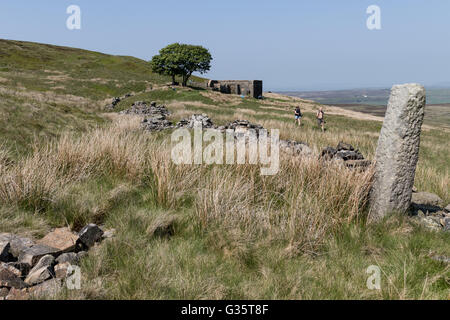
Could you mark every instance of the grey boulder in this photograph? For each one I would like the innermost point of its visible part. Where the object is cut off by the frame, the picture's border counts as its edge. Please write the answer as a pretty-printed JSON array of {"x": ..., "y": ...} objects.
[
  {"x": 90, "y": 234},
  {"x": 426, "y": 201},
  {"x": 70, "y": 257}
]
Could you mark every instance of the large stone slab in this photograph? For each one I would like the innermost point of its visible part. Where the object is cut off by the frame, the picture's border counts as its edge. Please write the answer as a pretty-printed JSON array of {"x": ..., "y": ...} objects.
[
  {"x": 62, "y": 239},
  {"x": 398, "y": 151},
  {"x": 32, "y": 255},
  {"x": 18, "y": 244}
]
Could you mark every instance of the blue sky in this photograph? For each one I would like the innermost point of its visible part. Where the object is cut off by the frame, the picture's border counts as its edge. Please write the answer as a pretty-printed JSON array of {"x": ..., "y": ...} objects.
[{"x": 290, "y": 44}]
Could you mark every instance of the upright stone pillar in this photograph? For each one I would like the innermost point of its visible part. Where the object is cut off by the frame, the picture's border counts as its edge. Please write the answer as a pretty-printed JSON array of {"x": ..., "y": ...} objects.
[{"x": 398, "y": 151}]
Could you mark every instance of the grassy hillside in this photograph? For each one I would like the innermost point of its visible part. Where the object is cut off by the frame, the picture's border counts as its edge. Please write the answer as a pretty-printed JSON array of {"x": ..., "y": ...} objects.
[
  {"x": 301, "y": 234},
  {"x": 45, "y": 89},
  {"x": 72, "y": 71}
]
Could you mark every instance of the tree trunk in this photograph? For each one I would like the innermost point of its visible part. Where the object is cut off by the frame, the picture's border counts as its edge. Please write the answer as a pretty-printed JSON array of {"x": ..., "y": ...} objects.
[
  {"x": 185, "y": 79},
  {"x": 173, "y": 80}
]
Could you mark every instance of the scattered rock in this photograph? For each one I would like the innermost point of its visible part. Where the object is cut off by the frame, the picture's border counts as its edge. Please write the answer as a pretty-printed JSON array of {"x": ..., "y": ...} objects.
[
  {"x": 328, "y": 153},
  {"x": 10, "y": 280},
  {"x": 345, "y": 152},
  {"x": 47, "y": 263},
  {"x": 115, "y": 101},
  {"x": 32, "y": 255},
  {"x": 414, "y": 190},
  {"x": 61, "y": 270},
  {"x": 155, "y": 116},
  {"x": 23, "y": 268},
  {"x": 47, "y": 289},
  {"x": 349, "y": 155},
  {"x": 447, "y": 208},
  {"x": 11, "y": 268},
  {"x": 142, "y": 108},
  {"x": 90, "y": 234},
  {"x": 446, "y": 224},
  {"x": 70, "y": 257},
  {"x": 109, "y": 234},
  {"x": 17, "y": 294},
  {"x": 426, "y": 201},
  {"x": 157, "y": 123},
  {"x": 429, "y": 222},
  {"x": 342, "y": 146},
  {"x": 242, "y": 126},
  {"x": 295, "y": 148},
  {"x": 42, "y": 271},
  {"x": 358, "y": 163},
  {"x": 196, "y": 120},
  {"x": 17, "y": 244},
  {"x": 62, "y": 239},
  {"x": 3, "y": 293}
]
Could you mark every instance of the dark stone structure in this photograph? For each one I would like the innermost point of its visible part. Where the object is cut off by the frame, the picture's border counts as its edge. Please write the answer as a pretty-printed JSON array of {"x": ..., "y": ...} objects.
[{"x": 252, "y": 88}]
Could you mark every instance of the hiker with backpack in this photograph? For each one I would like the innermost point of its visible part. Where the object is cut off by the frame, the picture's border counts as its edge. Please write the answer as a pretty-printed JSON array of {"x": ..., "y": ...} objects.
[
  {"x": 321, "y": 118},
  {"x": 298, "y": 116}
]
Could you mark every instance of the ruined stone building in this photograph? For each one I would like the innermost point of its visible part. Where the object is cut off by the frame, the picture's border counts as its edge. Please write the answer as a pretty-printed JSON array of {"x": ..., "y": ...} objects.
[{"x": 252, "y": 88}]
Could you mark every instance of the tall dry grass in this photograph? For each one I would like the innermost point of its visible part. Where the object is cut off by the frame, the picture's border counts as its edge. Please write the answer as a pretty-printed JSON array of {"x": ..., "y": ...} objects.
[
  {"x": 35, "y": 180},
  {"x": 306, "y": 201},
  {"x": 302, "y": 204}
]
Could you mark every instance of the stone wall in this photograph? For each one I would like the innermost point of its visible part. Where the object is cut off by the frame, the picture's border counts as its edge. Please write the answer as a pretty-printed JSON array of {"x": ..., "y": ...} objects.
[{"x": 252, "y": 88}]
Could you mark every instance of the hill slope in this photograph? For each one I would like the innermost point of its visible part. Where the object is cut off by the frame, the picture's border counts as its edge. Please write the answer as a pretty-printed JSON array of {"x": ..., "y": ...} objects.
[{"x": 45, "y": 89}]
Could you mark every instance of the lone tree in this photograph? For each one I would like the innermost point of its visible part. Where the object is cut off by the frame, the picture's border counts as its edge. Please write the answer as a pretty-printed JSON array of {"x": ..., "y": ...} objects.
[{"x": 181, "y": 60}]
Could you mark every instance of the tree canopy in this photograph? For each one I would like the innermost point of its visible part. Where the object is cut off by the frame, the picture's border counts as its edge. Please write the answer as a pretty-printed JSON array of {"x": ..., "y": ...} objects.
[{"x": 181, "y": 60}]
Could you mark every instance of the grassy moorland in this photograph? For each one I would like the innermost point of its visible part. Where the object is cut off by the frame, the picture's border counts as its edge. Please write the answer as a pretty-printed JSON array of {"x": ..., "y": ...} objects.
[{"x": 301, "y": 234}]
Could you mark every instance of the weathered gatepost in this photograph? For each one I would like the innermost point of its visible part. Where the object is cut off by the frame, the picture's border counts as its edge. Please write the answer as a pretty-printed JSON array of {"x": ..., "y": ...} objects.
[{"x": 398, "y": 151}]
